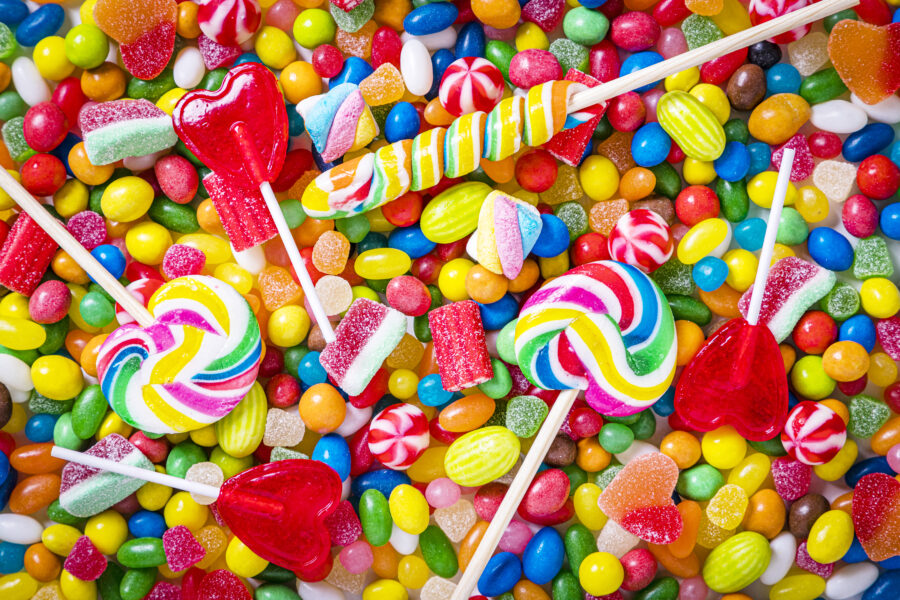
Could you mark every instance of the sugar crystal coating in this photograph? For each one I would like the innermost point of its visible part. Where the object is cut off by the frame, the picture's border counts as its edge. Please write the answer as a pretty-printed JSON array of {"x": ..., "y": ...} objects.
[
  {"x": 208, "y": 473},
  {"x": 283, "y": 428},
  {"x": 84, "y": 560},
  {"x": 182, "y": 548}
]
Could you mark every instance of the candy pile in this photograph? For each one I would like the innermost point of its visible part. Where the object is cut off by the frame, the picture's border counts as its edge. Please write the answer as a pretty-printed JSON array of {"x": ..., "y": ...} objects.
[{"x": 477, "y": 249}]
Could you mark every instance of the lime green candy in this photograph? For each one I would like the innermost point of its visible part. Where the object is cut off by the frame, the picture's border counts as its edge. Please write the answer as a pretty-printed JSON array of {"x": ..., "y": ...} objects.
[
  {"x": 314, "y": 27},
  {"x": 692, "y": 125},
  {"x": 481, "y": 456},
  {"x": 453, "y": 214},
  {"x": 737, "y": 562},
  {"x": 86, "y": 46}
]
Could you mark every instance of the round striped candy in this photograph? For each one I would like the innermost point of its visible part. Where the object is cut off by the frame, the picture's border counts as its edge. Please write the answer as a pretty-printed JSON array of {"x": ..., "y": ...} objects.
[
  {"x": 229, "y": 22},
  {"x": 143, "y": 290},
  {"x": 469, "y": 84},
  {"x": 813, "y": 433},
  {"x": 399, "y": 435},
  {"x": 642, "y": 239}
]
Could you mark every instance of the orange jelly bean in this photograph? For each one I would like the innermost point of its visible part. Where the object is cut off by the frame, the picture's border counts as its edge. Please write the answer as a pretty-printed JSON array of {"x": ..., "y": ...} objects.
[
  {"x": 485, "y": 286},
  {"x": 309, "y": 231},
  {"x": 104, "y": 83},
  {"x": 76, "y": 340},
  {"x": 765, "y": 513},
  {"x": 526, "y": 590},
  {"x": 527, "y": 277},
  {"x": 467, "y": 413},
  {"x": 690, "y": 517},
  {"x": 886, "y": 437},
  {"x": 208, "y": 218},
  {"x": 322, "y": 408},
  {"x": 40, "y": 563},
  {"x": 385, "y": 561},
  {"x": 34, "y": 459},
  {"x": 843, "y": 502},
  {"x": 723, "y": 301},
  {"x": 637, "y": 183},
  {"x": 470, "y": 543},
  {"x": 34, "y": 493},
  {"x": 682, "y": 447},
  {"x": 592, "y": 457},
  {"x": 67, "y": 269},
  {"x": 688, "y": 566}
]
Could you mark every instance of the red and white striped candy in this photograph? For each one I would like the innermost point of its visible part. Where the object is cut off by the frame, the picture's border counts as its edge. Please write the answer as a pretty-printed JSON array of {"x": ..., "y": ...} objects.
[
  {"x": 229, "y": 22},
  {"x": 142, "y": 289},
  {"x": 813, "y": 433},
  {"x": 470, "y": 84},
  {"x": 642, "y": 239},
  {"x": 399, "y": 435}
]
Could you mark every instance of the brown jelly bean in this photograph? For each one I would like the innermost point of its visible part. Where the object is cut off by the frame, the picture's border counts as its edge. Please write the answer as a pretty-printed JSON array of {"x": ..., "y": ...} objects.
[{"x": 804, "y": 513}]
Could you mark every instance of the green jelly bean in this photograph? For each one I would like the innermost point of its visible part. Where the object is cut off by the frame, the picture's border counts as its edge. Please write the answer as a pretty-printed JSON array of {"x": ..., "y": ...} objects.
[
  {"x": 626, "y": 420},
  {"x": 576, "y": 476},
  {"x": 96, "y": 310},
  {"x": 668, "y": 181},
  {"x": 294, "y": 214},
  {"x": 136, "y": 583},
  {"x": 181, "y": 149},
  {"x": 842, "y": 302},
  {"x": 94, "y": 198},
  {"x": 566, "y": 586},
  {"x": 700, "y": 482},
  {"x": 63, "y": 434},
  {"x": 56, "y": 336},
  {"x": 506, "y": 341},
  {"x": 60, "y": 515},
  {"x": 604, "y": 130},
  {"x": 645, "y": 426},
  {"x": 422, "y": 329},
  {"x": 867, "y": 415},
  {"x": 438, "y": 552},
  {"x": 42, "y": 405},
  {"x": 110, "y": 582},
  {"x": 579, "y": 543},
  {"x": 437, "y": 298},
  {"x": 792, "y": 229},
  {"x": 615, "y": 437},
  {"x": 524, "y": 415},
  {"x": 733, "y": 199},
  {"x": 93, "y": 287},
  {"x": 180, "y": 218},
  {"x": 575, "y": 218},
  {"x": 687, "y": 308},
  {"x": 771, "y": 447},
  {"x": 354, "y": 228},
  {"x": 375, "y": 517},
  {"x": 151, "y": 89},
  {"x": 832, "y": 20},
  {"x": 479, "y": 175},
  {"x": 498, "y": 419},
  {"x": 276, "y": 574},
  {"x": 26, "y": 356},
  {"x": 213, "y": 79},
  {"x": 500, "y": 384},
  {"x": 500, "y": 54},
  {"x": 822, "y": 86},
  {"x": 379, "y": 285},
  {"x": 585, "y": 26},
  {"x": 11, "y": 106},
  {"x": 182, "y": 457},
  {"x": 736, "y": 130},
  {"x": 275, "y": 592},
  {"x": 88, "y": 412},
  {"x": 664, "y": 588},
  {"x": 292, "y": 358},
  {"x": 203, "y": 171},
  {"x": 142, "y": 553},
  {"x": 674, "y": 277}
]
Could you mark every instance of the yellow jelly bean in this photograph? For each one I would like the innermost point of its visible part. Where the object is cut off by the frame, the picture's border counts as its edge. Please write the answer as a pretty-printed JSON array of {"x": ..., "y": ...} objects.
[
  {"x": 274, "y": 47},
  {"x": 21, "y": 334},
  {"x": 181, "y": 509},
  {"x": 600, "y": 573},
  {"x": 243, "y": 561},
  {"x": 683, "y": 80},
  {"x": 59, "y": 539},
  {"x": 241, "y": 431},
  {"x": 216, "y": 249},
  {"x": 378, "y": 222},
  {"x": 713, "y": 97},
  {"x": 429, "y": 466},
  {"x": 529, "y": 36},
  {"x": 880, "y": 297},
  {"x": 51, "y": 60},
  {"x": 554, "y": 266},
  {"x": 147, "y": 242},
  {"x": 481, "y": 456},
  {"x": 761, "y": 188},
  {"x": 732, "y": 18},
  {"x": 76, "y": 589},
  {"x": 781, "y": 251},
  {"x": 452, "y": 279},
  {"x": 71, "y": 198},
  {"x": 409, "y": 509},
  {"x": 236, "y": 276},
  {"x": 882, "y": 369},
  {"x": 385, "y": 589},
  {"x": 107, "y": 531},
  {"x": 18, "y": 586},
  {"x": 205, "y": 436},
  {"x": 812, "y": 204},
  {"x": 412, "y": 572},
  {"x": 751, "y": 472},
  {"x": 126, "y": 199},
  {"x": 586, "y": 509},
  {"x": 57, "y": 377},
  {"x": 14, "y": 305},
  {"x": 288, "y": 326},
  {"x": 113, "y": 423},
  {"x": 798, "y": 587},
  {"x": 698, "y": 172},
  {"x": 453, "y": 214},
  {"x": 691, "y": 125},
  {"x": 838, "y": 466},
  {"x": 167, "y": 101},
  {"x": 382, "y": 263},
  {"x": 742, "y": 266},
  {"x": 599, "y": 177},
  {"x": 153, "y": 496},
  {"x": 17, "y": 420},
  {"x": 710, "y": 237},
  {"x": 830, "y": 537}
]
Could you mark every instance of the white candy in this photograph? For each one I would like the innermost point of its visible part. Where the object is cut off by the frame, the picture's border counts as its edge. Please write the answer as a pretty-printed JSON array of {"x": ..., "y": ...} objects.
[
  {"x": 634, "y": 450},
  {"x": 886, "y": 111},
  {"x": 404, "y": 543},
  {"x": 784, "y": 548},
  {"x": 20, "y": 529},
  {"x": 188, "y": 69},
  {"x": 28, "y": 82},
  {"x": 320, "y": 590},
  {"x": 354, "y": 420},
  {"x": 838, "y": 116},
  {"x": 851, "y": 580},
  {"x": 415, "y": 66},
  {"x": 443, "y": 39},
  {"x": 252, "y": 259},
  {"x": 15, "y": 373}
]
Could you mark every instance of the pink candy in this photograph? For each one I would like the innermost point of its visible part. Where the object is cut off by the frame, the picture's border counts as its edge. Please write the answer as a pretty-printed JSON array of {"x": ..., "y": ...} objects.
[
  {"x": 229, "y": 22},
  {"x": 533, "y": 67},
  {"x": 84, "y": 561},
  {"x": 470, "y": 84},
  {"x": 181, "y": 260},
  {"x": 182, "y": 548}
]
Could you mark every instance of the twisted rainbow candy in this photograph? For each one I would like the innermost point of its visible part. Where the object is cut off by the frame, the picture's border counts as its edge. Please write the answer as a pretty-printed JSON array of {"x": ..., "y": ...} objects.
[
  {"x": 191, "y": 367},
  {"x": 371, "y": 180},
  {"x": 603, "y": 327},
  {"x": 507, "y": 231}
]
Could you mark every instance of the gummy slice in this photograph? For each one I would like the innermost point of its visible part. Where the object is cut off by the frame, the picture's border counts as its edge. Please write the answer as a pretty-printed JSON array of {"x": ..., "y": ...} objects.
[
  {"x": 871, "y": 258},
  {"x": 809, "y": 53},
  {"x": 84, "y": 560},
  {"x": 876, "y": 515},
  {"x": 182, "y": 548},
  {"x": 148, "y": 56},
  {"x": 867, "y": 415},
  {"x": 456, "y": 520},
  {"x": 216, "y": 55},
  {"x": 351, "y": 20},
  {"x": 654, "y": 524},
  {"x": 867, "y": 57},
  {"x": 25, "y": 255},
  {"x": 122, "y": 128}
]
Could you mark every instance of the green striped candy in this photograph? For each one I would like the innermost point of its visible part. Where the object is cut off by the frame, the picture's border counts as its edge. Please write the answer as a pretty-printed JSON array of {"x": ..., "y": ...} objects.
[
  {"x": 693, "y": 126},
  {"x": 737, "y": 562}
]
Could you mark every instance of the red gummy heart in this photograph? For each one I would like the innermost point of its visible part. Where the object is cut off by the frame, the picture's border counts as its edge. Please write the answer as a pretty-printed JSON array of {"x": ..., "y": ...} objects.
[
  {"x": 737, "y": 378},
  {"x": 239, "y": 130},
  {"x": 876, "y": 515},
  {"x": 278, "y": 510},
  {"x": 867, "y": 57}
]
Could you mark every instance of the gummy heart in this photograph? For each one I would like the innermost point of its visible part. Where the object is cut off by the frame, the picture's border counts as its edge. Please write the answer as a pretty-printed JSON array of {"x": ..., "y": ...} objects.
[
  {"x": 639, "y": 498},
  {"x": 239, "y": 130},
  {"x": 737, "y": 378},
  {"x": 279, "y": 509},
  {"x": 876, "y": 515},
  {"x": 867, "y": 57},
  {"x": 145, "y": 32}
]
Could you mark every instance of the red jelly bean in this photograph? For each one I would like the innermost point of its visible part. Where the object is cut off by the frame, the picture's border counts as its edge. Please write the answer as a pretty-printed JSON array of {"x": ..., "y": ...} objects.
[
  {"x": 327, "y": 61},
  {"x": 604, "y": 61},
  {"x": 283, "y": 390},
  {"x": 177, "y": 178},
  {"x": 404, "y": 211},
  {"x": 670, "y": 12},
  {"x": 408, "y": 295},
  {"x": 718, "y": 70},
  {"x": 361, "y": 457},
  {"x": 878, "y": 177},
  {"x": 634, "y": 31},
  {"x": 640, "y": 569},
  {"x": 892, "y": 396},
  {"x": 824, "y": 144},
  {"x": 626, "y": 112},
  {"x": 386, "y": 46},
  {"x": 427, "y": 268},
  {"x": 374, "y": 391},
  {"x": 547, "y": 493},
  {"x": 536, "y": 171},
  {"x": 814, "y": 332},
  {"x": 50, "y": 302},
  {"x": 696, "y": 203},
  {"x": 155, "y": 450},
  {"x": 45, "y": 126},
  {"x": 488, "y": 498},
  {"x": 43, "y": 174},
  {"x": 272, "y": 363},
  {"x": 860, "y": 216},
  {"x": 69, "y": 96},
  {"x": 589, "y": 247}
]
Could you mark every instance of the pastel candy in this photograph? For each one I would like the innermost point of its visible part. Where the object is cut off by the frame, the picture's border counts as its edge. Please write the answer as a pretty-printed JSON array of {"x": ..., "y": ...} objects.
[
  {"x": 339, "y": 121},
  {"x": 462, "y": 145},
  {"x": 392, "y": 174},
  {"x": 507, "y": 230},
  {"x": 341, "y": 191}
]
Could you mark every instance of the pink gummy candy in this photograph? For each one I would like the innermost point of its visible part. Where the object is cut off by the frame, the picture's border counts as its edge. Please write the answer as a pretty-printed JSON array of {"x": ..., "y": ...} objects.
[
  {"x": 88, "y": 228},
  {"x": 807, "y": 563},
  {"x": 803, "y": 158},
  {"x": 163, "y": 590},
  {"x": 888, "y": 331},
  {"x": 84, "y": 561},
  {"x": 791, "y": 477},
  {"x": 216, "y": 55},
  {"x": 181, "y": 260},
  {"x": 459, "y": 345},
  {"x": 343, "y": 525},
  {"x": 182, "y": 548}
]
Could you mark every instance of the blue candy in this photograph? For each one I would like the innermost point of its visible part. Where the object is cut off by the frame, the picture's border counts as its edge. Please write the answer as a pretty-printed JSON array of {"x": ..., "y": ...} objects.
[
  {"x": 6, "y": 488},
  {"x": 470, "y": 41},
  {"x": 638, "y": 61},
  {"x": 333, "y": 450},
  {"x": 889, "y": 221},
  {"x": 665, "y": 406},
  {"x": 650, "y": 145},
  {"x": 383, "y": 480},
  {"x": 43, "y": 22},
  {"x": 440, "y": 60},
  {"x": 830, "y": 249},
  {"x": 111, "y": 258},
  {"x": 310, "y": 370},
  {"x": 782, "y": 78},
  {"x": 430, "y": 18},
  {"x": 62, "y": 151},
  {"x": 760, "y": 158},
  {"x": 855, "y": 554},
  {"x": 39, "y": 428},
  {"x": 497, "y": 314},
  {"x": 247, "y": 57},
  {"x": 4, "y": 469},
  {"x": 411, "y": 240},
  {"x": 887, "y": 584},
  {"x": 734, "y": 164},
  {"x": 871, "y": 139},
  {"x": 402, "y": 123},
  {"x": 554, "y": 237},
  {"x": 876, "y": 464},
  {"x": 295, "y": 121},
  {"x": 749, "y": 234},
  {"x": 145, "y": 523},
  {"x": 354, "y": 71},
  {"x": 859, "y": 329},
  {"x": 12, "y": 12},
  {"x": 502, "y": 572},
  {"x": 12, "y": 557},
  {"x": 710, "y": 273},
  {"x": 431, "y": 392},
  {"x": 543, "y": 556}
]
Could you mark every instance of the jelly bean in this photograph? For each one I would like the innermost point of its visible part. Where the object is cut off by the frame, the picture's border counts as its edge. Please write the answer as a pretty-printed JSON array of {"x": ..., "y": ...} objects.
[
  {"x": 438, "y": 552},
  {"x": 503, "y": 570}
]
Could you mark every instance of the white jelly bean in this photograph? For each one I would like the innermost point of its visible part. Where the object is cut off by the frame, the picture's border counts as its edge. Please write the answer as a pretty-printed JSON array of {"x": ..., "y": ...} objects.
[
  {"x": 20, "y": 529},
  {"x": 320, "y": 590},
  {"x": 354, "y": 420},
  {"x": 886, "y": 111},
  {"x": 838, "y": 116},
  {"x": 28, "y": 82},
  {"x": 15, "y": 373},
  {"x": 253, "y": 259},
  {"x": 784, "y": 548},
  {"x": 404, "y": 543},
  {"x": 634, "y": 450},
  {"x": 188, "y": 69},
  {"x": 434, "y": 41},
  {"x": 851, "y": 580},
  {"x": 415, "y": 66}
]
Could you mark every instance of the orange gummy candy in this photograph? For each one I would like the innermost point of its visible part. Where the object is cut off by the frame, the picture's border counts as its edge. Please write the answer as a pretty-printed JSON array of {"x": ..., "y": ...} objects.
[
  {"x": 278, "y": 288},
  {"x": 126, "y": 20},
  {"x": 867, "y": 57}
]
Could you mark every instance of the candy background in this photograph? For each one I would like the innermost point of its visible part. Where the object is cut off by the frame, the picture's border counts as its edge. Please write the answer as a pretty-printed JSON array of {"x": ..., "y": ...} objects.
[{"x": 148, "y": 218}]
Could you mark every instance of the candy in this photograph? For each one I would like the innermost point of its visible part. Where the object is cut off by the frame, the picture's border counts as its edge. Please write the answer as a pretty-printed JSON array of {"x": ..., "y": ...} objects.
[
  {"x": 398, "y": 435},
  {"x": 340, "y": 121},
  {"x": 870, "y": 74},
  {"x": 876, "y": 505},
  {"x": 481, "y": 456},
  {"x": 229, "y": 22},
  {"x": 737, "y": 562},
  {"x": 459, "y": 345},
  {"x": 507, "y": 231},
  {"x": 25, "y": 255},
  {"x": 122, "y": 128},
  {"x": 141, "y": 384},
  {"x": 563, "y": 339},
  {"x": 470, "y": 84},
  {"x": 242, "y": 211},
  {"x": 813, "y": 433},
  {"x": 691, "y": 125},
  {"x": 145, "y": 32},
  {"x": 642, "y": 239}
]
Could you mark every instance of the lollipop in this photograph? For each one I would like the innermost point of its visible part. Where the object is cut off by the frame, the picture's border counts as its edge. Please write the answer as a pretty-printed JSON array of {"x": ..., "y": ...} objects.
[
  {"x": 229, "y": 22},
  {"x": 813, "y": 433}
]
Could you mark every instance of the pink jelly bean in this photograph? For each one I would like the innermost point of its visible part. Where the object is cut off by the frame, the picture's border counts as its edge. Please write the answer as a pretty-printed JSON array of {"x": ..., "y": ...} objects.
[
  {"x": 442, "y": 492},
  {"x": 357, "y": 557},
  {"x": 671, "y": 42},
  {"x": 534, "y": 67},
  {"x": 640, "y": 569},
  {"x": 860, "y": 216},
  {"x": 50, "y": 302},
  {"x": 282, "y": 15},
  {"x": 651, "y": 99},
  {"x": 516, "y": 537},
  {"x": 177, "y": 178},
  {"x": 893, "y": 458},
  {"x": 547, "y": 493},
  {"x": 693, "y": 588},
  {"x": 626, "y": 112},
  {"x": 604, "y": 61},
  {"x": 386, "y": 47},
  {"x": 488, "y": 499},
  {"x": 634, "y": 31}
]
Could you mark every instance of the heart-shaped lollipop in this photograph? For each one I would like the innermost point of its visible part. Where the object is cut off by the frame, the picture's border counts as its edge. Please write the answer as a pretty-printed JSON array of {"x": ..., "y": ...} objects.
[
  {"x": 867, "y": 57},
  {"x": 191, "y": 367},
  {"x": 876, "y": 515},
  {"x": 278, "y": 510},
  {"x": 145, "y": 31},
  {"x": 246, "y": 109}
]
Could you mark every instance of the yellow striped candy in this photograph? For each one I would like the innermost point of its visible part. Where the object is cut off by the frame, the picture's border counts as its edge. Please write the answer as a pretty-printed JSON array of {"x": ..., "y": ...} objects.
[
  {"x": 692, "y": 125},
  {"x": 241, "y": 431},
  {"x": 453, "y": 214},
  {"x": 482, "y": 456},
  {"x": 737, "y": 562}
]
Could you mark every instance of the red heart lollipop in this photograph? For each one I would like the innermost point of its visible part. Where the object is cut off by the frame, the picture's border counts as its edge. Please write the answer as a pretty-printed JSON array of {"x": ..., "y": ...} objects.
[
  {"x": 239, "y": 130},
  {"x": 278, "y": 510}
]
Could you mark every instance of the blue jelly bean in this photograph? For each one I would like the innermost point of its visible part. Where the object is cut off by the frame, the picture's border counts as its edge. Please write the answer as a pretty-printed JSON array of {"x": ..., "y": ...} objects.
[
  {"x": 111, "y": 258},
  {"x": 12, "y": 12},
  {"x": 470, "y": 41},
  {"x": 830, "y": 249},
  {"x": 792, "y": 400},
  {"x": 383, "y": 480},
  {"x": 4, "y": 469},
  {"x": 247, "y": 57},
  {"x": 411, "y": 240},
  {"x": 889, "y": 221},
  {"x": 296, "y": 126},
  {"x": 6, "y": 487},
  {"x": 440, "y": 60},
  {"x": 62, "y": 151},
  {"x": 502, "y": 572},
  {"x": 760, "y": 158},
  {"x": 12, "y": 557},
  {"x": 871, "y": 139},
  {"x": 354, "y": 70},
  {"x": 876, "y": 464},
  {"x": 430, "y": 18},
  {"x": 592, "y": 3},
  {"x": 497, "y": 314},
  {"x": 333, "y": 450},
  {"x": 782, "y": 78},
  {"x": 310, "y": 370},
  {"x": 43, "y": 22},
  {"x": 650, "y": 145},
  {"x": 543, "y": 556},
  {"x": 402, "y": 123},
  {"x": 859, "y": 329},
  {"x": 891, "y": 564},
  {"x": 431, "y": 392},
  {"x": 554, "y": 237},
  {"x": 638, "y": 61},
  {"x": 39, "y": 428},
  {"x": 734, "y": 164},
  {"x": 710, "y": 273},
  {"x": 855, "y": 554},
  {"x": 665, "y": 406},
  {"x": 887, "y": 584},
  {"x": 146, "y": 523},
  {"x": 749, "y": 234}
]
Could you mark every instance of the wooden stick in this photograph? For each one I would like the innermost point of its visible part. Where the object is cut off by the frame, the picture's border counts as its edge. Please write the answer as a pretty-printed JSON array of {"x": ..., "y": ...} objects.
[
  {"x": 698, "y": 56},
  {"x": 61, "y": 236}
]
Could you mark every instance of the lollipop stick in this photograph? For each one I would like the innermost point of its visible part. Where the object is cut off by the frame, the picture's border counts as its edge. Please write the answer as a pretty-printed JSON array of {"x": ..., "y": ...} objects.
[
  {"x": 768, "y": 247},
  {"x": 698, "y": 56},
  {"x": 85, "y": 260},
  {"x": 104, "y": 464}
]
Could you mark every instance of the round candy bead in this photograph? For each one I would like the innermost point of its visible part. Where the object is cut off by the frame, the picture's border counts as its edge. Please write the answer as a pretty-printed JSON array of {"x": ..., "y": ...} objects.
[
  {"x": 642, "y": 239},
  {"x": 470, "y": 84},
  {"x": 398, "y": 435},
  {"x": 813, "y": 433}
]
